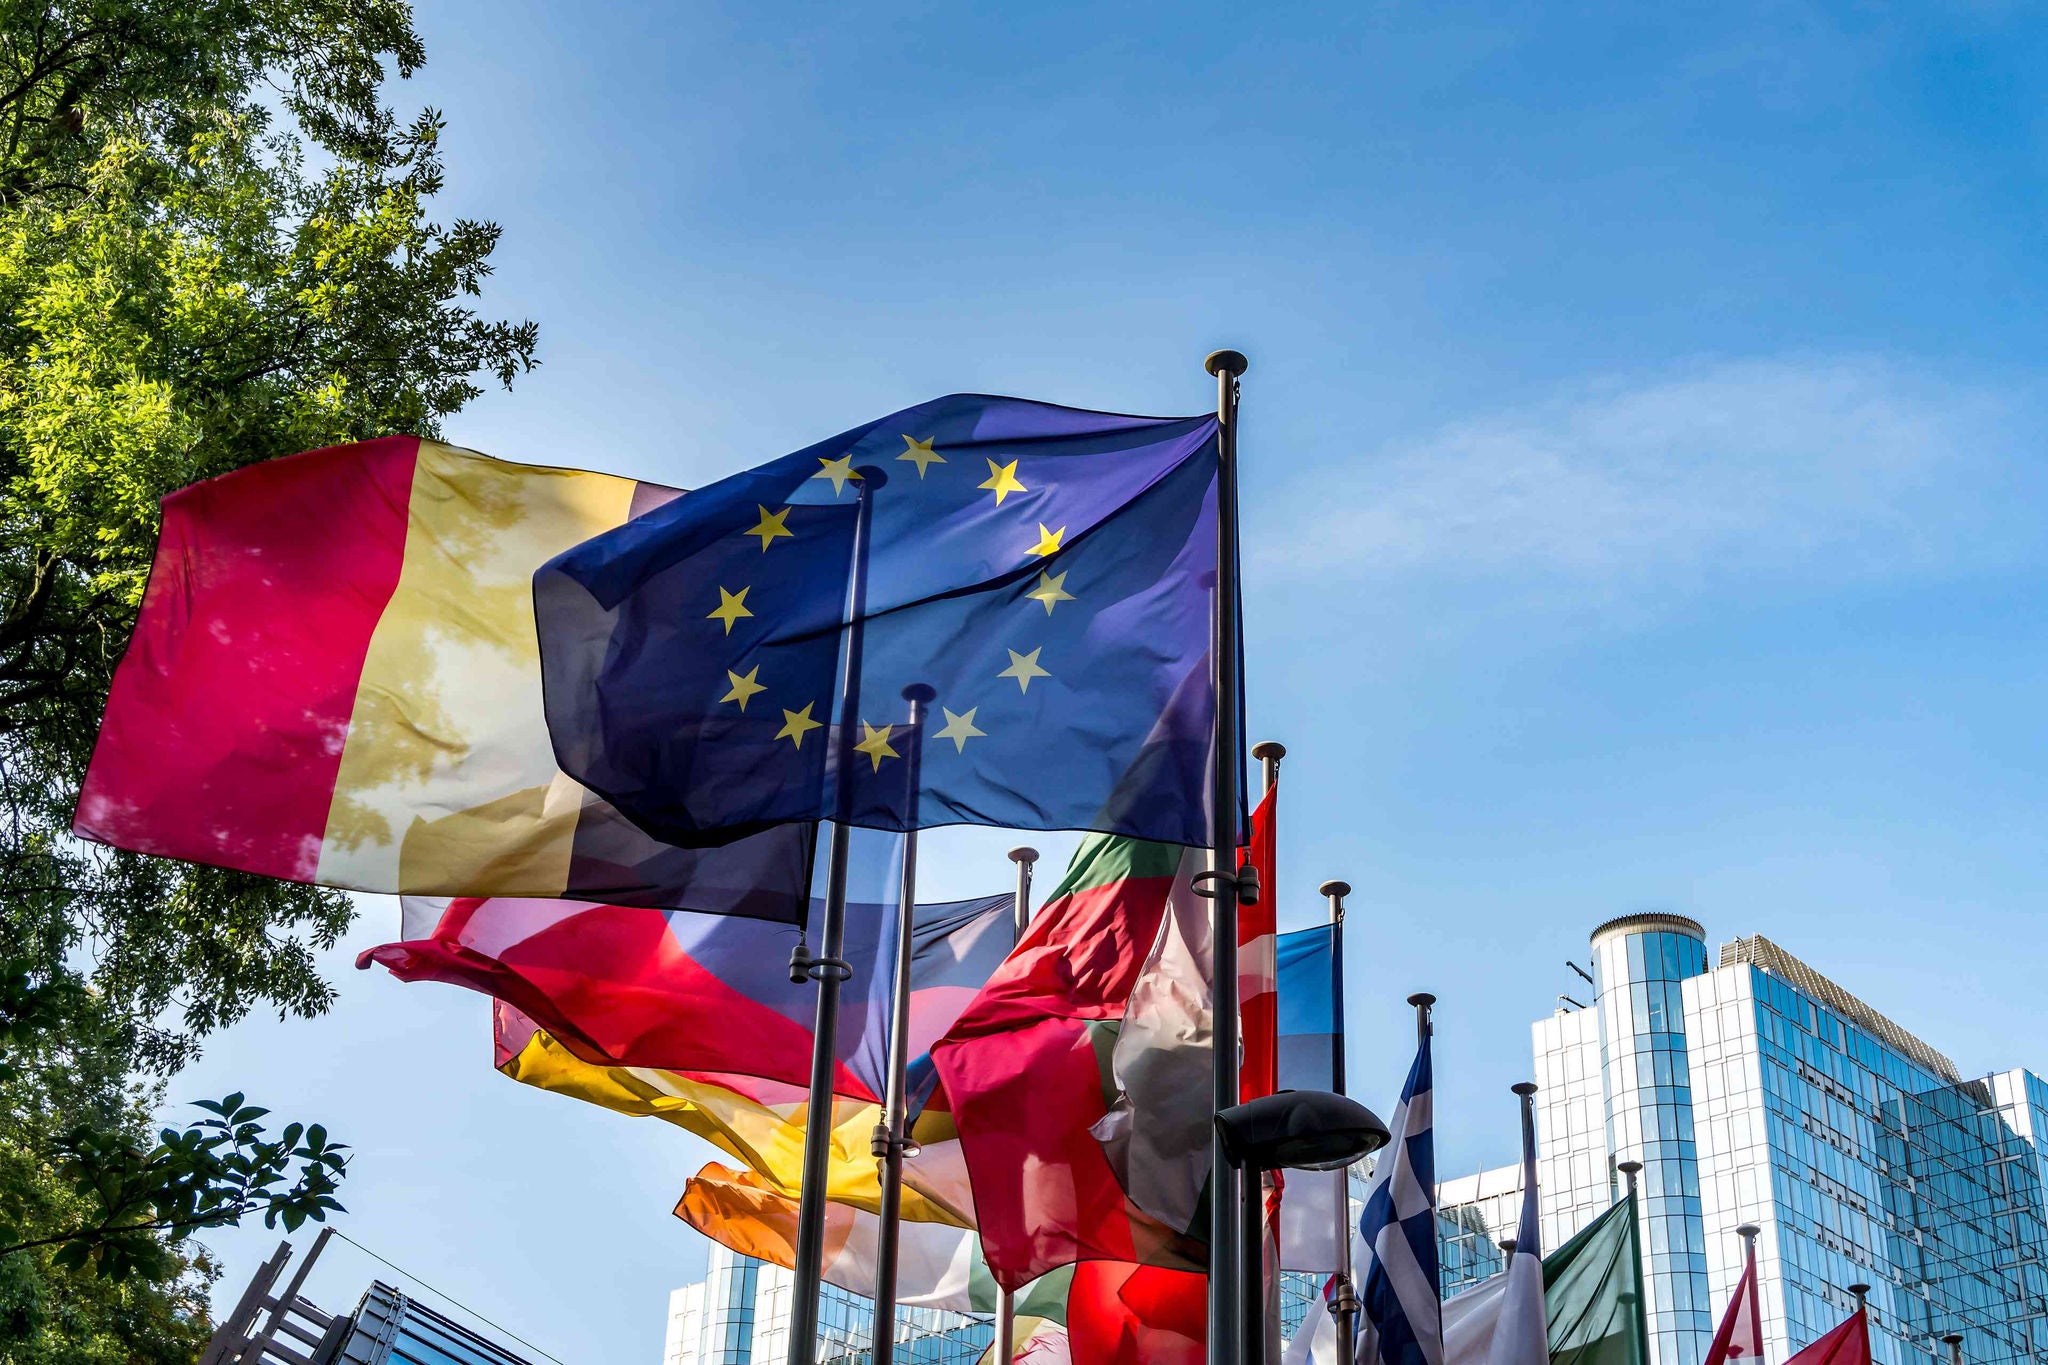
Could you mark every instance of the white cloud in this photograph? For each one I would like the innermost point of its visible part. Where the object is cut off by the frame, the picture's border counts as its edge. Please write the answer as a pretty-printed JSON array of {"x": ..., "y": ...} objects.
[{"x": 1811, "y": 466}]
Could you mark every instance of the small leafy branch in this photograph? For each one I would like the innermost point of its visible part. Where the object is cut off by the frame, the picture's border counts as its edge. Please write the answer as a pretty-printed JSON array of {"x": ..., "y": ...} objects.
[
  {"x": 29, "y": 1009},
  {"x": 216, "y": 1172}
]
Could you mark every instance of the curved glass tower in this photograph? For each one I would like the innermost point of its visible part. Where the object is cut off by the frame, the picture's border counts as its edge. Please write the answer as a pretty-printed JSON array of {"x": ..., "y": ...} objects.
[{"x": 1640, "y": 963}]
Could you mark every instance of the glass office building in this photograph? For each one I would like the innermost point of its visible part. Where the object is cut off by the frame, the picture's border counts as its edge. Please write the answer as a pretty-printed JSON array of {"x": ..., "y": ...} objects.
[
  {"x": 739, "y": 1314},
  {"x": 1475, "y": 1213},
  {"x": 1755, "y": 1090}
]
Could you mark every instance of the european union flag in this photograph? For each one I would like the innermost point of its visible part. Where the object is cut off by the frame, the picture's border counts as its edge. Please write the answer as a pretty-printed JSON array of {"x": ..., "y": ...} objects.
[{"x": 739, "y": 657}]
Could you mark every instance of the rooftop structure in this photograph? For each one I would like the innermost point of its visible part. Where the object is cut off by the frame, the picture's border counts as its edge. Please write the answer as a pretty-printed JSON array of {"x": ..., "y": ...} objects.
[{"x": 269, "y": 1326}]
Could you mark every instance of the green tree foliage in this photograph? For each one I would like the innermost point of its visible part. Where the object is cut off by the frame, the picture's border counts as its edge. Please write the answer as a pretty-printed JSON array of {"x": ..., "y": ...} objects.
[{"x": 215, "y": 248}]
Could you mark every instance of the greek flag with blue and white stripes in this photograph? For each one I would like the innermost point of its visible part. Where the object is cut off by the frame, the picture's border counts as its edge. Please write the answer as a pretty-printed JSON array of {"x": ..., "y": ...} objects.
[{"x": 1394, "y": 1257}]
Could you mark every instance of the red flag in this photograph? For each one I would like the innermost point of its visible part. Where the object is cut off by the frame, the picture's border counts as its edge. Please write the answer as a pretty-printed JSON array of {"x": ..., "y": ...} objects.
[
  {"x": 1025, "y": 1071},
  {"x": 1257, "y": 972},
  {"x": 1848, "y": 1344},
  {"x": 1121, "y": 1314},
  {"x": 621, "y": 985},
  {"x": 1741, "y": 1337}
]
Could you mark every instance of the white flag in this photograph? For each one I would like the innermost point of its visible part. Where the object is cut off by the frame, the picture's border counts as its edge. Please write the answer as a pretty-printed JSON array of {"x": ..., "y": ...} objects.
[{"x": 1522, "y": 1336}]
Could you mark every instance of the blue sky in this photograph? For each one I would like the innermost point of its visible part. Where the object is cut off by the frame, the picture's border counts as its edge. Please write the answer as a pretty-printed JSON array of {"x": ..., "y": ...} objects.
[{"x": 1642, "y": 484}]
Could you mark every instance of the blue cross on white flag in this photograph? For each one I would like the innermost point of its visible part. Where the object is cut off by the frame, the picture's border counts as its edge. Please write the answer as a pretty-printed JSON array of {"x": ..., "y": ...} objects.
[{"x": 1395, "y": 1257}]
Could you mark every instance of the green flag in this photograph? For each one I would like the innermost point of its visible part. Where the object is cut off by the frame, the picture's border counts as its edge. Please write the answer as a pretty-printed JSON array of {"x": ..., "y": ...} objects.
[{"x": 1593, "y": 1293}]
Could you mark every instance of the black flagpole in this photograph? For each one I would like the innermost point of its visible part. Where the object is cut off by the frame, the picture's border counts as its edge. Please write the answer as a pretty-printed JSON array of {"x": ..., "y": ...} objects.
[
  {"x": 1261, "y": 1328},
  {"x": 1225, "y": 1343},
  {"x": 891, "y": 1140},
  {"x": 1024, "y": 856},
  {"x": 1344, "y": 1301},
  {"x": 828, "y": 970}
]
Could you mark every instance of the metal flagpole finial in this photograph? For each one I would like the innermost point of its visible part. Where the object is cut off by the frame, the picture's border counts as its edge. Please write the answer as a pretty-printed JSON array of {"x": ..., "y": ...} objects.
[
  {"x": 1862, "y": 1293},
  {"x": 1422, "y": 1000},
  {"x": 1024, "y": 853},
  {"x": 1629, "y": 1171},
  {"x": 1954, "y": 1342},
  {"x": 1334, "y": 892},
  {"x": 1526, "y": 1089},
  {"x": 1507, "y": 1244},
  {"x": 1231, "y": 363},
  {"x": 1748, "y": 1232},
  {"x": 1269, "y": 752},
  {"x": 919, "y": 692}
]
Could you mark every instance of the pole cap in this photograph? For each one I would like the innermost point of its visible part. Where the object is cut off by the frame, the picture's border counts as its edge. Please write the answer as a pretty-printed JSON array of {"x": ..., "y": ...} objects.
[
  {"x": 1337, "y": 888},
  {"x": 1628, "y": 1167},
  {"x": 1952, "y": 1339},
  {"x": 1023, "y": 853},
  {"x": 1524, "y": 1088},
  {"x": 1226, "y": 362},
  {"x": 1748, "y": 1231},
  {"x": 920, "y": 692},
  {"x": 1507, "y": 1244},
  {"x": 1859, "y": 1290},
  {"x": 1422, "y": 1000},
  {"x": 1269, "y": 748}
]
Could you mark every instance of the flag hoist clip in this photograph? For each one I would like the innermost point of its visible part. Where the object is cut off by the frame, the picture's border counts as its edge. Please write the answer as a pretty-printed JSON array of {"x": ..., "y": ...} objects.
[
  {"x": 1245, "y": 883},
  {"x": 803, "y": 967},
  {"x": 880, "y": 1143}
]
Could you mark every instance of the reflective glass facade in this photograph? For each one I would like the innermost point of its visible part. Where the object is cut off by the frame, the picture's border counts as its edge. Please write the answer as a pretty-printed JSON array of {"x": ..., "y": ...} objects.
[
  {"x": 1754, "y": 1090},
  {"x": 739, "y": 1315},
  {"x": 1475, "y": 1214},
  {"x": 1300, "y": 1293},
  {"x": 389, "y": 1328},
  {"x": 2022, "y": 1100},
  {"x": 1640, "y": 967}
]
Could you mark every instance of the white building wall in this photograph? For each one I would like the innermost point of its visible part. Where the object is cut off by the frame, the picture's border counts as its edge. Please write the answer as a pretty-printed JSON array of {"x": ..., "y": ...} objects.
[
  {"x": 1734, "y": 1153},
  {"x": 1572, "y": 1167},
  {"x": 682, "y": 1344}
]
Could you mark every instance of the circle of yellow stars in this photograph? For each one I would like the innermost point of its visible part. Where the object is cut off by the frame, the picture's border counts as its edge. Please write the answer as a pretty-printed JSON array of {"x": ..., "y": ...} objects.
[{"x": 1049, "y": 591}]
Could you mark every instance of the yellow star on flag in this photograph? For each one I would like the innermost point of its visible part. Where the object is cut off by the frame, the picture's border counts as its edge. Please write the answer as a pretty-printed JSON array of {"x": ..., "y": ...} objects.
[
  {"x": 839, "y": 471},
  {"x": 731, "y": 607},
  {"x": 921, "y": 454},
  {"x": 797, "y": 724},
  {"x": 1003, "y": 479},
  {"x": 744, "y": 686},
  {"x": 960, "y": 729},
  {"x": 1051, "y": 590},
  {"x": 1024, "y": 667},
  {"x": 1048, "y": 541},
  {"x": 773, "y": 524},
  {"x": 876, "y": 744}
]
